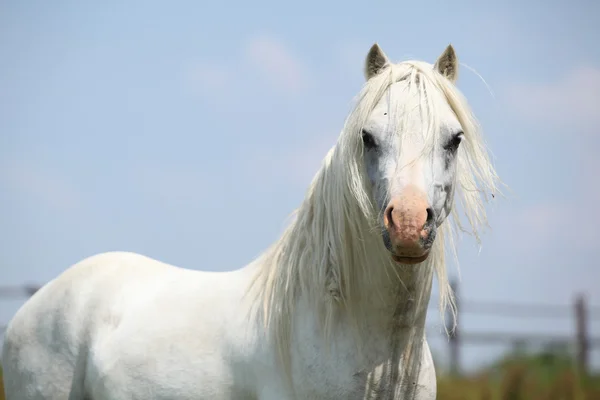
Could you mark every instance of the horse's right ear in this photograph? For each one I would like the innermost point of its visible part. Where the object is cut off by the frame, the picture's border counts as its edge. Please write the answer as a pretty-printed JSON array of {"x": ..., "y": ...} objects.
[{"x": 376, "y": 60}]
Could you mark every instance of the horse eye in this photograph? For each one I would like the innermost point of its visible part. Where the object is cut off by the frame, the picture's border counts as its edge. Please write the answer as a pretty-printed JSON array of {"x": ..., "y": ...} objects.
[
  {"x": 368, "y": 140},
  {"x": 454, "y": 142}
]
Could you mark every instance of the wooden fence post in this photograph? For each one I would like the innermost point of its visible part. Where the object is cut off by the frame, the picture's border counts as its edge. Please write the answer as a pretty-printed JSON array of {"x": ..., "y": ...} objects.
[{"x": 581, "y": 332}]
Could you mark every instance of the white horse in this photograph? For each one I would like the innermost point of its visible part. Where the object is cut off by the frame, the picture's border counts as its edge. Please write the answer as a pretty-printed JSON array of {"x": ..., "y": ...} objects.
[{"x": 334, "y": 309}]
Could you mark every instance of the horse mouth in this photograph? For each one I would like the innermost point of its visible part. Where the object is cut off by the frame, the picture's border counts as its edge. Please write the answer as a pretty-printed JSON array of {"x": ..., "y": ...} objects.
[{"x": 410, "y": 260}]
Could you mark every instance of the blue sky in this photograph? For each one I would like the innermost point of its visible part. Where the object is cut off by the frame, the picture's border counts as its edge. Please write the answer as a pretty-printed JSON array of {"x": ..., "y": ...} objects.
[{"x": 189, "y": 132}]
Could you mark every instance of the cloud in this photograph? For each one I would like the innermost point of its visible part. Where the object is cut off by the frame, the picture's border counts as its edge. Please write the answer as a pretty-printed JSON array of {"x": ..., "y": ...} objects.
[
  {"x": 267, "y": 55},
  {"x": 572, "y": 101},
  {"x": 40, "y": 184},
  {"x": 571, "y": 223},
  {"x": 276, "y": 62},
  {"x": 570, "y": 105}
]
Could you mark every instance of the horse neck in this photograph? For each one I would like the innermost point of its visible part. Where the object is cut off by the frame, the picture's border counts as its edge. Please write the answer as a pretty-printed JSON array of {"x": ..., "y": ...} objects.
[{"x": 399, "y": 296}]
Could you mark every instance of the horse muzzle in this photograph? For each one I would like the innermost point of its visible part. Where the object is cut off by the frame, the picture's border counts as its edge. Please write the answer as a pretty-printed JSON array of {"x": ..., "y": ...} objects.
[{"x": 410, "y": 227}]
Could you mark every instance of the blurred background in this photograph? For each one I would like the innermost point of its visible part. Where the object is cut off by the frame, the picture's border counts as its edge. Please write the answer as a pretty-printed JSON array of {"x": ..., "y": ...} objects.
[{"x": 152, "y": 127}]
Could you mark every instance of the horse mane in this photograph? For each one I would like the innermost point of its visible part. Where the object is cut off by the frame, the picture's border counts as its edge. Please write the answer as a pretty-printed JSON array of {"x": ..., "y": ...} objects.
[{"x": 332, "y": 246}]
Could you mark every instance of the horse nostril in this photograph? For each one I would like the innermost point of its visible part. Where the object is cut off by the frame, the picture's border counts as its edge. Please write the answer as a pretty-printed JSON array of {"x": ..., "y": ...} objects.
[
  {"x": 430, "y": 216},
  {"x": 388, "y": 216}
]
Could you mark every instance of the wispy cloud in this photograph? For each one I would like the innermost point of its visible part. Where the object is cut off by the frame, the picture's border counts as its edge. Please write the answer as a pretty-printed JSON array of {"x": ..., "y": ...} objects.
[
  {"x": 571, "y": 104},
  {"x": 273, "y": 60},
  {"x": 277, "y": 63},
  {"x": 572, "y": 100},
  {"x": 572, "y": 223}
]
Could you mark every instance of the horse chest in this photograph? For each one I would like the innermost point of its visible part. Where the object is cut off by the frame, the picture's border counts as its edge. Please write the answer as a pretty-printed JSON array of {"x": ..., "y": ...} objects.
[
  {"x": 332, "y": 374},
  {"x": 373, "y": 369},
  {"x": 339, "y": 371}
]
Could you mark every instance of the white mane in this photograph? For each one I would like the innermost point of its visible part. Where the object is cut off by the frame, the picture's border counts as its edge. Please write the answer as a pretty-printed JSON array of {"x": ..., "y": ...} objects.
[{"x": 333, "y": 247}]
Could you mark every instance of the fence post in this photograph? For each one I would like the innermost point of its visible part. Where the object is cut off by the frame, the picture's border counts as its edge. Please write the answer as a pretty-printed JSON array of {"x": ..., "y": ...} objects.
[
  {"x": 454, "y": 343},
  {"x": 581, "y": 338}
]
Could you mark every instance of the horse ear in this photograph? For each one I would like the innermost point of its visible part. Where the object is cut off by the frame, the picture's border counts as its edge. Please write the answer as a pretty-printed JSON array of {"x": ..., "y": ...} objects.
[
  {"x": 376, "y": 60},
  {"x": 447, "y": 64}
]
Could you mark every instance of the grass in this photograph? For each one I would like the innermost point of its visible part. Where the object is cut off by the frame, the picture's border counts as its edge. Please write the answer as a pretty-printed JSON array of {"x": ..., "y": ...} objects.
[
  {"x": 548, "y": 375},
  {"x": 519, "y": 384}
]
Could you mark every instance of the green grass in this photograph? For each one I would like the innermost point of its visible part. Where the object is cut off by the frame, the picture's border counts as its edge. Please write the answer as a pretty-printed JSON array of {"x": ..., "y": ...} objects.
[
  {"x": 518, "y": 383},
  {"x": 548, "y": 375}
]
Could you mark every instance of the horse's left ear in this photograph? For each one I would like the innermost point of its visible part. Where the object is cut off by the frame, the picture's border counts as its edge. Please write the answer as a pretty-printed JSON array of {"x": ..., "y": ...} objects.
[{"x": 447, "y": 64}]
